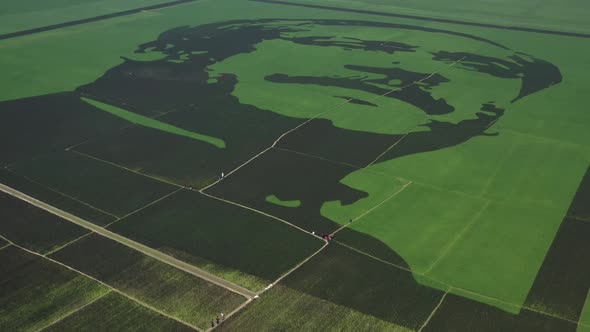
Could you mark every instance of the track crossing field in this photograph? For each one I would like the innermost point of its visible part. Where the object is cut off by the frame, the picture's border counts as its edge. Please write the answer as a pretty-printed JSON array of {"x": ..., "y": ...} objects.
[{"x": 162, "y": 162}]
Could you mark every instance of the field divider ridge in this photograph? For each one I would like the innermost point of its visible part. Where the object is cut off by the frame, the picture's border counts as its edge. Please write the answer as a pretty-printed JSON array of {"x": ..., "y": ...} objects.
[
  {"x": 387, "y": 199},
  {"x": 160, "y": 256},
  {"x": 68, "y": 243},
  {"x": 459, "y": 235},
  {"x": 61, "y": 193},
  {"x": 145, "y": 206},
  {"x": 109, "y": 287},
  {"x": 68, "y": 314},
  {"x": 435, "y": 309},
  {"x": 127, "y": 169}
]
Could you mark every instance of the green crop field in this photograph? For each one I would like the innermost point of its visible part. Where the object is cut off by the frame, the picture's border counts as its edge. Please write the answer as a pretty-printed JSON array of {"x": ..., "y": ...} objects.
[{"x": 213, "y": 147}]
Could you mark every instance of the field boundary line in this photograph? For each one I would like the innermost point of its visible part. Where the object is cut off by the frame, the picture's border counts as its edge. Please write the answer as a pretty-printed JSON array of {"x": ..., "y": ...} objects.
[
  {"x": 435, "y": 309},
  {"x": 68, "y": 314},
  {"x": 326, "y": 243},
  {"x": 127, "y": 169},
  {"x": 109, "y": 287},
  {"x": 387, "y": 150},
  {"x": 160, "y": 256},
  {"x": 375, "y": 258},
  {"x": 235, "y": 169},
  {"x": 145, "y": 206},
  {"x": 68, "y": 243},
  {"x": 318, "y": 157},
  {"x": 375, "y": 207},
  {"x": 577, "y": 218},
  {"x": 257, "y": 211},
  {"x": 61, "y": 193},
  {"x": 458, "y": 236}
]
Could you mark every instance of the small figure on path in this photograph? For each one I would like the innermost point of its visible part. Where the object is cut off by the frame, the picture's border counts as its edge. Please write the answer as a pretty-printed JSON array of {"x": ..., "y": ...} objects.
[
  {"x": 222, "y": 175},
  {"x": 222, "y": 316},
  {"x": 350, "y": 220},
  {"x": 212, "y": 323},
  {"x": 217, "y": 320}
]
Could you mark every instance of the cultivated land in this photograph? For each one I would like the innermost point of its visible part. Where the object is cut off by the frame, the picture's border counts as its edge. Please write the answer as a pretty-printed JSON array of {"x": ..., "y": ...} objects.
[{"x": 444, "y": 144}]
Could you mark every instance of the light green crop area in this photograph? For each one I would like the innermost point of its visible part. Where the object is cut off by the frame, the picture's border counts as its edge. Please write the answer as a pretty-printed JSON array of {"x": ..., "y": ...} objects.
[
  {"x": 153, "y": 123},
  {"x": 275, "y": 200}
]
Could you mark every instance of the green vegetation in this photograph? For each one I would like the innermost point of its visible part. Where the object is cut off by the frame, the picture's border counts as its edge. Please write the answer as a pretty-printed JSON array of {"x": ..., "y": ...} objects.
[
  {"x": 275, "y": 200},
  {"x": 36, "y": 292},
  {"x": 205, "y": 231},
  {"x": 177, "y": 293},
  {"x": 35, "y": 229},
  {"x": 110, "y": 188},
  {"x": 114, "y": 312},
  {"x": 152, "y": 123}
]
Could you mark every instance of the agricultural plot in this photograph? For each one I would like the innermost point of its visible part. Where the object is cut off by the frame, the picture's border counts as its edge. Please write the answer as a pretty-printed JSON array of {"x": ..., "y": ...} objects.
[
  {"x": 441, "y": 143},
  {"x": 110, "y": 189},
  {"x": 33, "y": 228},
  {"x": 114, "y": 312},
  {"x": 164, "y": 287},
  {"x": 35, "y": 292},
  {"x": 219, "y": 237}
]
